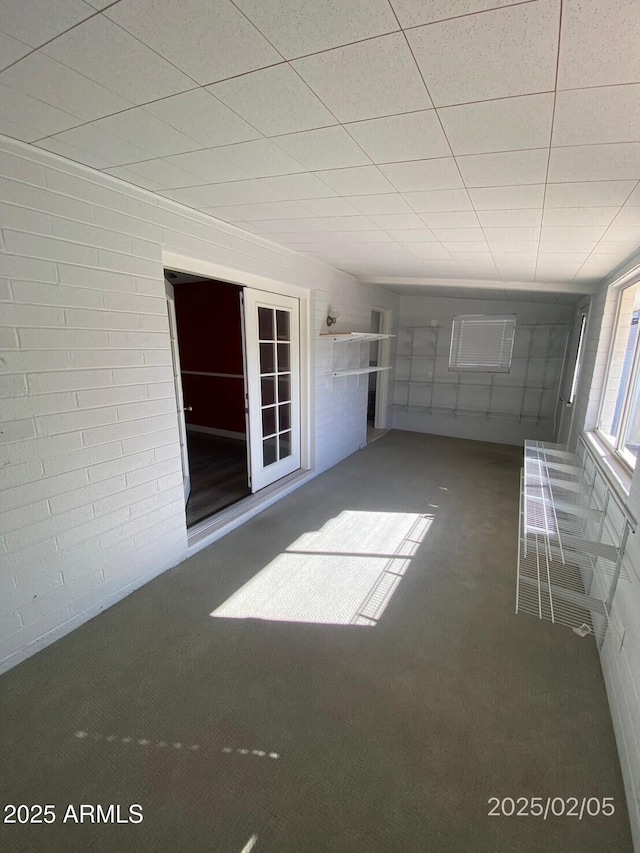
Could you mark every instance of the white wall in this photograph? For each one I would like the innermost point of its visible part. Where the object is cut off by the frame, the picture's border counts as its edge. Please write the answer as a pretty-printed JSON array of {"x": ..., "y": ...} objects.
[
  {"x": 508, "y": 393},
  {"x": 620, "y": 663},
  {"x": 91, "y": 478}
]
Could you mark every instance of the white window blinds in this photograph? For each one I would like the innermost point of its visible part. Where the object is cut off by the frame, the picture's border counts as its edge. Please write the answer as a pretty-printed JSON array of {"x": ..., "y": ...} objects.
[{"x": 482, "y": 342}]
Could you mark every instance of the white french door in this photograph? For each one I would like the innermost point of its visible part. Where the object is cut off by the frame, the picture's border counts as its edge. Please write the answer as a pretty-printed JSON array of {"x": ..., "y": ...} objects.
[{"x": 272, "y": 369}]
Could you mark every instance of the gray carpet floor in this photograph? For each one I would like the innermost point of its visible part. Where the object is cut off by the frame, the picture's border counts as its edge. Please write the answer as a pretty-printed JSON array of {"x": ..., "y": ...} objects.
[{"x": 251, "y": 733}]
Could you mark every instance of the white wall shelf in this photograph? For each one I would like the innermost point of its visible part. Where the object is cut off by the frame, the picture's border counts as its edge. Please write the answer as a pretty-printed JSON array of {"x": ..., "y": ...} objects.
[
  {"x": 355, "y": 337},
  {"x": 357, "y": 371},
  {"x": 572, "y": 536},
  {"x": 354, "y": 361}
]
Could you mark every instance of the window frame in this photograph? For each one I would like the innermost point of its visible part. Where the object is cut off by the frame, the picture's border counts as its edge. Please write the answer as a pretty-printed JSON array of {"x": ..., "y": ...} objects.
[
  {"x": 488, "y": 319},
  {"x": 617, "y": 446}
]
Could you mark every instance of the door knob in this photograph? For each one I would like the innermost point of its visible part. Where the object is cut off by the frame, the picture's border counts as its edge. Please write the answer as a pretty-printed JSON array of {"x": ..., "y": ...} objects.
[{"x": 188, "y": 409}]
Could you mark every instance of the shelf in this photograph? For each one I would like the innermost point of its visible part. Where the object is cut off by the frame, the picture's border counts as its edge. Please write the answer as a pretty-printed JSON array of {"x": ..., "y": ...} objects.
[
  {"x": 454, "y": 384},
  {"x": 476, "y": 413},
  {"x": 357, "y": 371},
  {"x": 352, "y": 337},
  {"x": 571, "y": 539}
]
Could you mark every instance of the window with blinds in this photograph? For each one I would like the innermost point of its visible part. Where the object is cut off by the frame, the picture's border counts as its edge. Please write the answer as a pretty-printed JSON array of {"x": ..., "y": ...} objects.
[{"x": 482, "y": 342}]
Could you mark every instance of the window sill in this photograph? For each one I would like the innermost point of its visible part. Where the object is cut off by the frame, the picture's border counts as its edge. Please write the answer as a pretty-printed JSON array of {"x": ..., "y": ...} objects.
[{"x": 616, "y": 471}]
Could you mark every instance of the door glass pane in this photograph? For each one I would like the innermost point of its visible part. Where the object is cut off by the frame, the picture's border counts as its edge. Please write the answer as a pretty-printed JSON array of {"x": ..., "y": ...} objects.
[
  {"x": 268, "y": 384},
  {"x": 265, "y": 324},
  {"x": 285, "y": 444},
  {"x": 269, "y": 451},
  {"x": 284, "y": 388},
  {"x": 284, "y": 415},
  {"x": 282, "y": 324},
  {"x": 267, "y": 358},
  {"x": 284, "y": 357},
  {"x": 269, "y": 420}
]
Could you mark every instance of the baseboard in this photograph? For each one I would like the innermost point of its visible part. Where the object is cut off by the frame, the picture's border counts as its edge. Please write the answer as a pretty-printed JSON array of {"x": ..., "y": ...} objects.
[{"x": 225, "y": 433}]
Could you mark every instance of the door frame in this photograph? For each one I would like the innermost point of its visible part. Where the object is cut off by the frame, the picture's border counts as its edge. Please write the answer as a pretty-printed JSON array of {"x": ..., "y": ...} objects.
[
  {"x": 382, "y": 376},
  {"x": 208, "y": 269},
  {"x": 177, "y": 381}
]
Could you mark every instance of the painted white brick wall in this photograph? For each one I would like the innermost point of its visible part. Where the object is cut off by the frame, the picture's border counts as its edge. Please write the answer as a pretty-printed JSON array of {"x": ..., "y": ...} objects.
[
  {"x": 91, "y": 486},
  {"x": 620, "y": 653}
]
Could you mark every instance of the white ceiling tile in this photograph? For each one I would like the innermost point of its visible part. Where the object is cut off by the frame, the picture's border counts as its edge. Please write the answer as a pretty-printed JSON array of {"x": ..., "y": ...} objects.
[
  {"x": 459, "y": 249},
  {"x": 507, "y": 124},
  {"x": 508, "y": 197},
  {"x": 414, "y": 235},
  {"x": 365, "y": 80},
  {"x": 331, "y": 207},
  {"x": 28, "y": 118},
  {"x": 210, "y": 166},
  {"x": 579, "y": 216},
  {"x": 126, "y": 173},
  {"x": 43, "y": 78},
  {"x": 299, "y": 27},
  {"x": 634, "y": 199},
  {"x": 416, "y": 175},
  {"x": 588, "y": 194},
  {"x": 203, "y": 118},
  {"x": 316, "y": 237},
  {"x": 138, "y": 74},
  {"x": 605, "y": 114},
  {"x": 413, "y": 136},
  {"x": 554, "y": 246},
  {"x": 455, "y": 219},
  {"x": 223, "y": 194},
  {"x": 371, "y": 236},
  {"x": 99, "y": 4},
  {"x": 37, "y": 21},
  {"x": 504, "y": 169},
  {"x": 301, "y": 186},
  {"x": 160, "y": 172},
  {"x": 261, "y": 158},
  {"x": 350, "y": 223},
  {"x": 258, "y": 212},
  {"x": 600, "y": 43},
  {"x": 275, "y": 100},
  {"x": 510, "y": 218},
  {"x": 328, "y": 148},
  {"x": 627, "y": 234},
  {"x": 361, "y": 180},
  {"x": 436, "y": 201},
  {"x": 614, "y": 162},
  {"x": 500, "y": 244},
  {"x": 94, "y": 141},
  {"x": 457, "y": 235},
  {"x": 397, "y": 221},
  {"x": 434, "y": 251},
  {"x": 144, "y": 131},
  {"x": 629, "y": 215},
  {"x": 412, "y": 13},
  {"x": 512, "y": 235},
  {"x": 64, "y": 149},
  {"x": 510, "y": 51},
  {"x": 208, "y": 41},
  {"x": 11, "y": 50},
  {"x": 562, "y": 257},
  {"x": 380, "y": 204}
]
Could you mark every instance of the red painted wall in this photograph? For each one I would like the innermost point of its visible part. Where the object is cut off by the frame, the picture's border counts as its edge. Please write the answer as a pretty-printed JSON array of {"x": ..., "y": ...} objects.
[{"x": 210, "y": 338}]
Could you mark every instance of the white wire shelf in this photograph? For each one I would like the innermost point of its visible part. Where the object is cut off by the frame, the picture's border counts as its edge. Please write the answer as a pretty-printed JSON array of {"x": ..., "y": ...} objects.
[
  {"x": 357, "y": 371},
  {"x": 572, "y": 535},
  {"x": 468, "y": 412},
  {"x": 353, "y": 337}
]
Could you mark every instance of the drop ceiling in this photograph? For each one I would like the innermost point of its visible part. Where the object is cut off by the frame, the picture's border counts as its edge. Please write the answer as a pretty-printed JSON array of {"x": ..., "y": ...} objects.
[{"x": 402, "y": 141}]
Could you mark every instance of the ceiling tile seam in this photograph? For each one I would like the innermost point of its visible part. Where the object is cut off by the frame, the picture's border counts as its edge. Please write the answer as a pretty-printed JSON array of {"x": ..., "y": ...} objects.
[
  {"x": 469, "y": 15},
  {"x": 457, "y": 165},
  {"x": 594, "y": 251},
  {"x": 424, "y": 83},
  {"x": 326, "y": 49},
  {"x": 553, "y": 116}
]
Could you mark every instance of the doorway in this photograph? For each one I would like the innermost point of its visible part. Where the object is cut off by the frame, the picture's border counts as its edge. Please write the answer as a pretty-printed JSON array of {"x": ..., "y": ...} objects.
[{"x": 236, "y": 365}]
